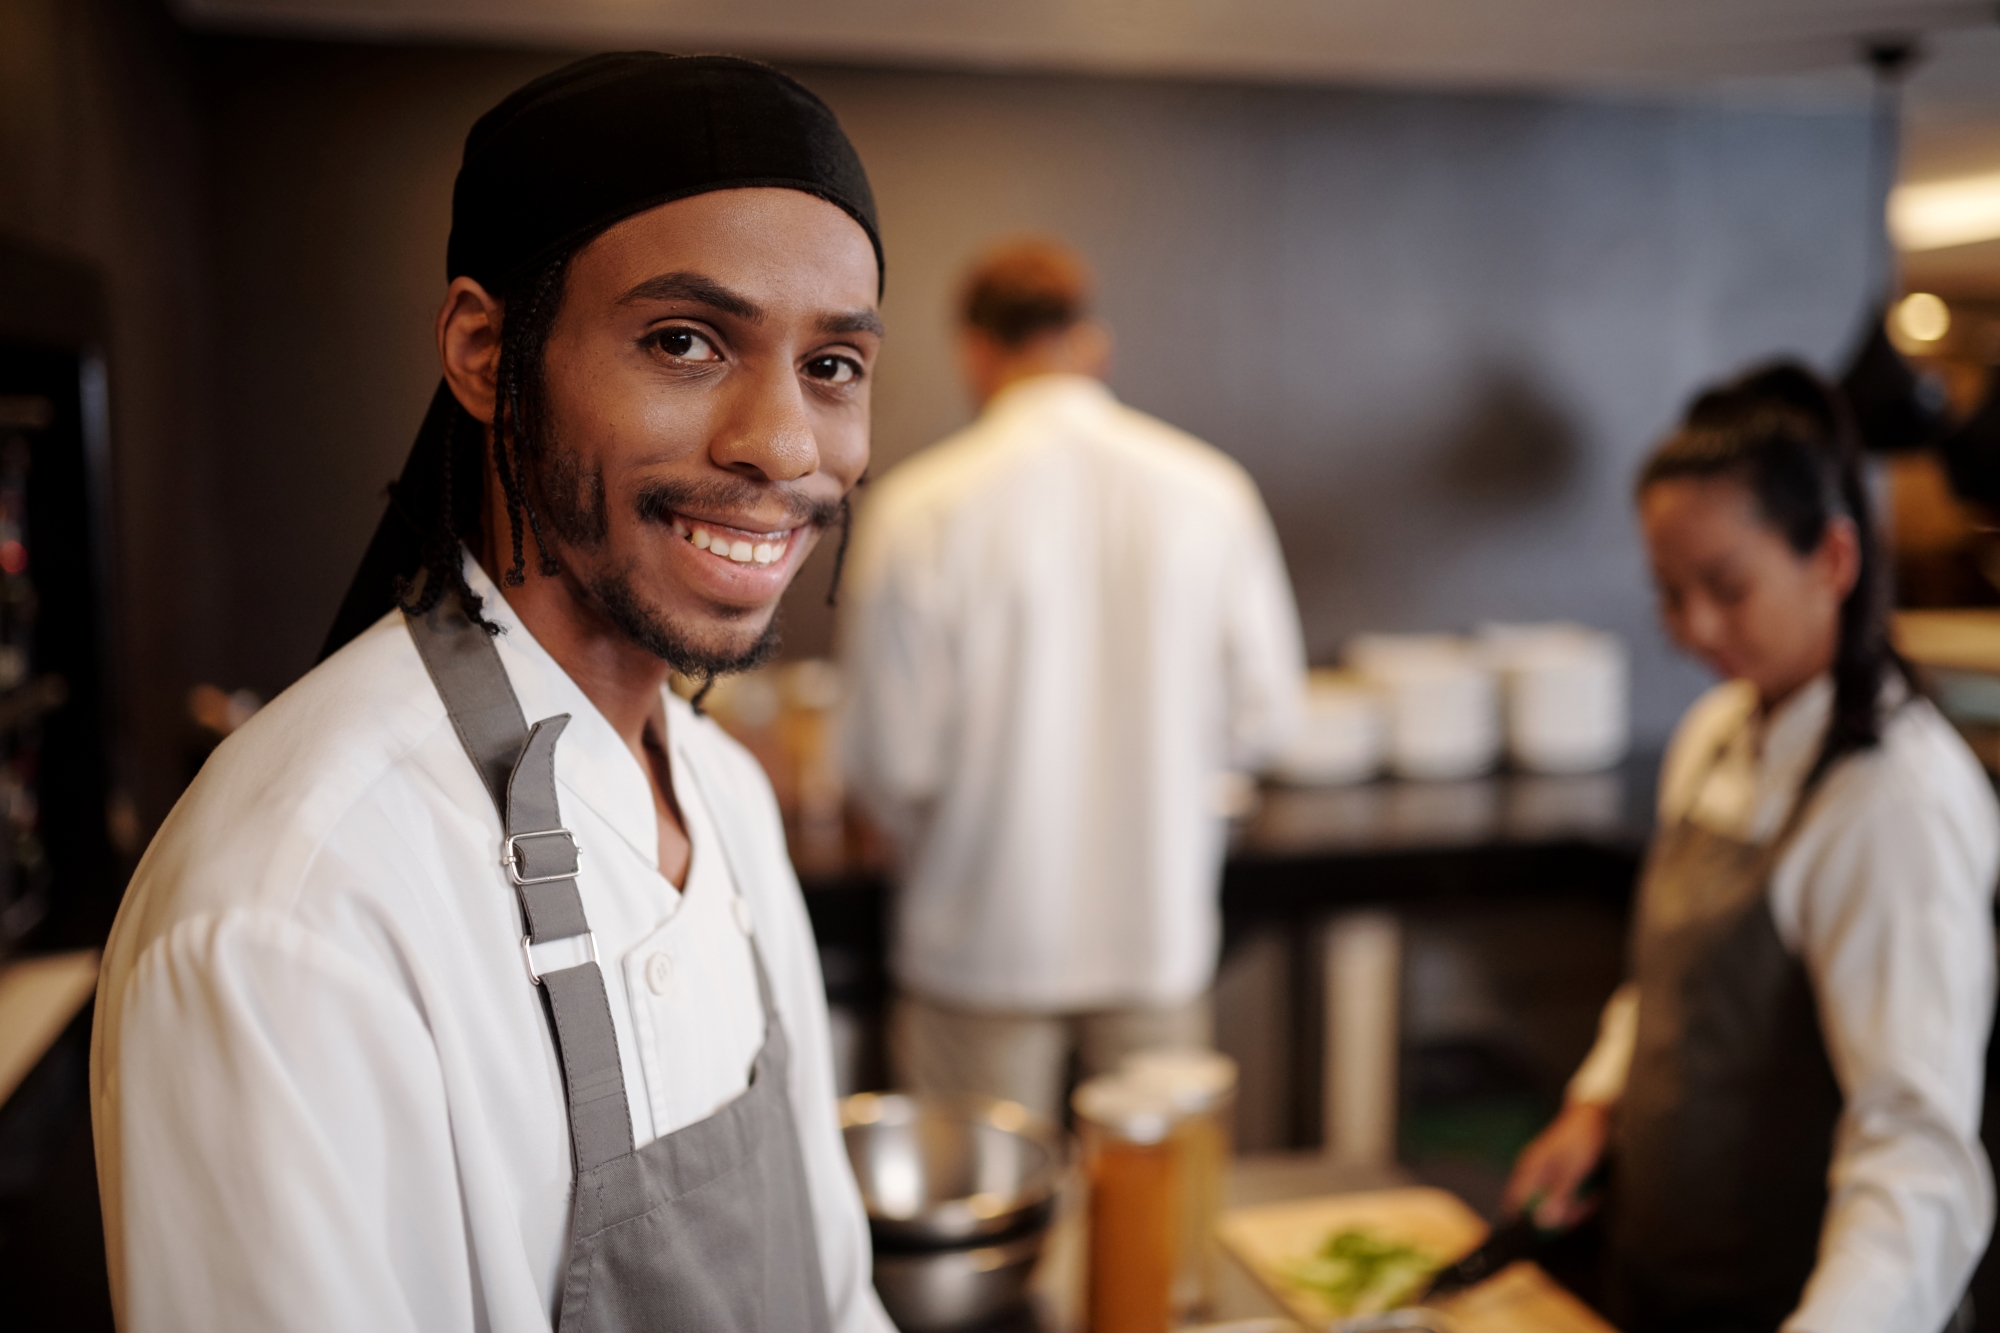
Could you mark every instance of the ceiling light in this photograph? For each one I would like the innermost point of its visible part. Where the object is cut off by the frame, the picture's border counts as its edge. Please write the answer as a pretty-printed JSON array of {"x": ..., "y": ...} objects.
[
  {"x": 1922, "y": 317},
  {"x": 1936, "y": 214}
]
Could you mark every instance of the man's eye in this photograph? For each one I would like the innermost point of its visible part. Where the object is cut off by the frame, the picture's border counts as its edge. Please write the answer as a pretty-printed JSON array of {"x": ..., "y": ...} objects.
[
  {"x": 834, "y": 369},
  {"x": 685, "y": 345}
]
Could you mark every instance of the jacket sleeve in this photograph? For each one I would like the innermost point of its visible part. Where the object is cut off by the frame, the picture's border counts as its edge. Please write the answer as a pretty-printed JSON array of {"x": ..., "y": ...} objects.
[
  {"x": 898, "y": 663},
  {"x": 1266, "y": 656},
  {"x": 1601, "y": 1077},
  {"x": 273, "y": 1145},
  {"x": 1897, "y": 934}
]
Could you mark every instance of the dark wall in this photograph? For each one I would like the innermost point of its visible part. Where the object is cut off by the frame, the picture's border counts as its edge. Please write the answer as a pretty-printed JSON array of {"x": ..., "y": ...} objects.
[
  {"x": 1438, "y": 329},
  {"x": 103, "y": 158}
]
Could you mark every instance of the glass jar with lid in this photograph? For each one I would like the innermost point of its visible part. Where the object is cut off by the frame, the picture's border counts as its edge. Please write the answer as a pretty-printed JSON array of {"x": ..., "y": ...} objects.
[
  {"x": 1132, "y": 1163},
  {"x": 1201, "y": 1088}
]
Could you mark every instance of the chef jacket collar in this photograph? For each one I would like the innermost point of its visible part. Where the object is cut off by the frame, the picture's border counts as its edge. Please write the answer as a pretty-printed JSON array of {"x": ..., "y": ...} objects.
[
  {"x": 592, "y": 760},
  {"x": 1777, "y": 749},
  {"x": 1790, "y": 735},
  {"x": 1039, "y": 392}
]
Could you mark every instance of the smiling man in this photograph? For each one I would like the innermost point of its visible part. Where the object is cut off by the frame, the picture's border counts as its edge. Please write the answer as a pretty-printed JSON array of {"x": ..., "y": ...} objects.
[{"x": 469, "y": 986}]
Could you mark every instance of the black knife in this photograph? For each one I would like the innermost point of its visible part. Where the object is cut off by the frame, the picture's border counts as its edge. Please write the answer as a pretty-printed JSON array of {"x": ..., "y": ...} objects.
[
  {"x": 1516, "y": 1239},
  {"x": 1508, "y": 1243}
]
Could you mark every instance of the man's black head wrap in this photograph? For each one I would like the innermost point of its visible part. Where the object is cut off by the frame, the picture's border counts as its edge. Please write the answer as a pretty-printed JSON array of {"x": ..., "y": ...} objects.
[{"x": 568, "y": 156}]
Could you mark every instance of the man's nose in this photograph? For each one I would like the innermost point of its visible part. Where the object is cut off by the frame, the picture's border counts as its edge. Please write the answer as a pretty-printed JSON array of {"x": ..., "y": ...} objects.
[{"x": 768, "y": 434}]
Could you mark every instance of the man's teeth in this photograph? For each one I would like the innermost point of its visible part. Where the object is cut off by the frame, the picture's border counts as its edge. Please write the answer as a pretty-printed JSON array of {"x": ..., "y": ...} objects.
[{"x": 739, "y": 551}]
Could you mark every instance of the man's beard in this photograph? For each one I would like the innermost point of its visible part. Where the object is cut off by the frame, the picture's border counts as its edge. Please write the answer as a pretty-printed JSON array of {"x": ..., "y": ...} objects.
[
  {"x": 576, "y": 506},
  {"x": 630, "y": 615}
]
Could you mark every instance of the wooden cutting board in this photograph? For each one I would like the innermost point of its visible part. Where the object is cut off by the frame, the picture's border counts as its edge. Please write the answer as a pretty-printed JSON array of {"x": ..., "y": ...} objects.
[{"x": 1522, "y": 1299}]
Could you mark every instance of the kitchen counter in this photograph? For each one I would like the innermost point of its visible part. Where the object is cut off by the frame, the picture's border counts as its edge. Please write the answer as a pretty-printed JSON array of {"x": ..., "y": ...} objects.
[
  {"x": 1611, "y": 809},
  {"x": 1608, "y": 813},
  {"x": 1308, "y": 851},
  {"x": 1304, "y": 861}
]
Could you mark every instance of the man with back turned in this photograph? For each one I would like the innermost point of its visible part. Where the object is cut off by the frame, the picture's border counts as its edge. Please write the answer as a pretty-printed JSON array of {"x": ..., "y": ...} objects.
[
  {"x": 1066, "y": 625},
  {"x": 469, "y": 986}
]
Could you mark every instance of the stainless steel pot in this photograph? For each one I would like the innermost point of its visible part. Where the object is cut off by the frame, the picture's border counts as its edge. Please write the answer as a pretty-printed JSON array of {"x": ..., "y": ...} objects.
[
  {"x": 933, "y": 1291},
  {"x": 938, "y": 1172},
  {"x": 959, "y": 1194}
]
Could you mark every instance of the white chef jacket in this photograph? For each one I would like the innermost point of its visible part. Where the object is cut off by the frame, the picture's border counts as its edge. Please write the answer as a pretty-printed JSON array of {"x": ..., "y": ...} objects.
[
  {"x": 1064, "y": 625},
  {"x": 1886, "y": 893},
  {"x": 324, "y": 1088}
]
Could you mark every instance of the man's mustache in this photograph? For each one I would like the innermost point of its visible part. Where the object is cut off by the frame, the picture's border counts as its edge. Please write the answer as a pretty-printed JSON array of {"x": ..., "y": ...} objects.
[{"x": 658, "y": 502}]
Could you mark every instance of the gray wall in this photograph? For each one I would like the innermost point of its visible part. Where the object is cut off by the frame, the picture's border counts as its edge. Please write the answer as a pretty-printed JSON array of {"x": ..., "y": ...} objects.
[{"x": 1439, "y": 330}]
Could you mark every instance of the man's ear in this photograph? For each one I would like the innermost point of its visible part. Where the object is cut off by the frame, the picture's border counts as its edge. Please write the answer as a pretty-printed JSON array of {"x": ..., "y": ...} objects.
[{"x": 468, "y": 338}]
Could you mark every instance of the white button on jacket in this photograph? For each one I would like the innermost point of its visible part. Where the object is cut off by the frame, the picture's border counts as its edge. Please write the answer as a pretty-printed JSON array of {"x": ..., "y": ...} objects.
[
  {"x": 324, "y": 1089},
  {"x": 660, "y": 973}
]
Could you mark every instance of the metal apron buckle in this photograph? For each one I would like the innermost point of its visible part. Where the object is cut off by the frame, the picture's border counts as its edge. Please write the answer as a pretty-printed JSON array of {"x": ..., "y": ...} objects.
[
  {"x": 528, "y": 944},
  {"x": 513, "y": 861}
]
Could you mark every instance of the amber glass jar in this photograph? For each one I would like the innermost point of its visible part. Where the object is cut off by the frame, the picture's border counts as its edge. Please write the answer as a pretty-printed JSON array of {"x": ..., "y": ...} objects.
[
  {"x": 1133, "y": 1162},
  {"x": 1201, "y": 1088}
]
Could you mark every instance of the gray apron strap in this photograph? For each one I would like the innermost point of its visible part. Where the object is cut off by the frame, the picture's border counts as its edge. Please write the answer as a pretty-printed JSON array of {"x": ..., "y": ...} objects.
[{"x": 517, "y": 766}]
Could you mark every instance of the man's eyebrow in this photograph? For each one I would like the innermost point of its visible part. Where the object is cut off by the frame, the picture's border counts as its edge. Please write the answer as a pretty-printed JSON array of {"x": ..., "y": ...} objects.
[
  {"x": 697, "y": 288},
  {"x": 852, "y": 321}
]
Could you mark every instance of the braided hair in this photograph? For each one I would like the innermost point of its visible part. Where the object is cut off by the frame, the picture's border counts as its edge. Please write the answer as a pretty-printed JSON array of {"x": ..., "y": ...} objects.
[
  {"x": 447, "y": 510},
  {"x": 1789, "y": 438}
]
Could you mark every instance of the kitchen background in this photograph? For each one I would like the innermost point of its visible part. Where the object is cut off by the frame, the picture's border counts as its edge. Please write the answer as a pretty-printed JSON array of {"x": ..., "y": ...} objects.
[
  {"x": 1437, "y": 278},
  {"x": 1437, "y": 326}
]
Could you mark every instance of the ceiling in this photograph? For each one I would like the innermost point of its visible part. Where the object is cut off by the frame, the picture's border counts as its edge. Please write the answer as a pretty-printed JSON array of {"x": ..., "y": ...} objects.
[{"x": 1513, "y": 43}]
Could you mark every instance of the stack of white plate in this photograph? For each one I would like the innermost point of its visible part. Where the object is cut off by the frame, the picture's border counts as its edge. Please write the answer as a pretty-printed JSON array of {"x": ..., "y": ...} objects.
[
  {"x": 1344, "y": 735},
  {"x": 1567, "y": 691},
  {"x": 1441, "y": 701}
]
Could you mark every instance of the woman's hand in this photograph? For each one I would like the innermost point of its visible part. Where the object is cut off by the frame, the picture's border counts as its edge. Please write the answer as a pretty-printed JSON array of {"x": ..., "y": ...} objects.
[{"x": 1549, "y": 1170}]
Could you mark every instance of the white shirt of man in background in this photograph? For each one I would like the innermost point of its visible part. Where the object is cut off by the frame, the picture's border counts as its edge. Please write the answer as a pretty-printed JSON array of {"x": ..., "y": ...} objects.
[{"x": 1065, "y": 626}]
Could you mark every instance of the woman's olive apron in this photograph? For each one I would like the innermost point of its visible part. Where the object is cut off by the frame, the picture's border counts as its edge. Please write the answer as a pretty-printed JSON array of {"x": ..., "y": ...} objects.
[
  {"x": 709, "y": 1228},
  {"x": 1725, "y": 1131}
]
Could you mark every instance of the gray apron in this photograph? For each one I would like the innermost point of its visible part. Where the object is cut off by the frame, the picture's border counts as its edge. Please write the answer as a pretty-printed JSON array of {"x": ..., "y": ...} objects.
[
  {"x": 1724, "y": 1134},
  {"x": 709, "y": 1228}
]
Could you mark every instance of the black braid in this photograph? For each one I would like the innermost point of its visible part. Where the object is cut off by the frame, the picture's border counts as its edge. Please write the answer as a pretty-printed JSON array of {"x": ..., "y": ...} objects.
[
  {"x": 526, "y": 388},
  {"x": 452, "y": 516},
  {"x": 446, "y": 519},
  {"x": 840, "y": 551},
  {"x": 846, "y": 531},
  {"x": 515, "y": 379}
]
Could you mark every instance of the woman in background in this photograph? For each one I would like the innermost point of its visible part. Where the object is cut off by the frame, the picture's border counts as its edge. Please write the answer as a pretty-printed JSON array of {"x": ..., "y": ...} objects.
[{"x": 1788, "y": 1087}]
